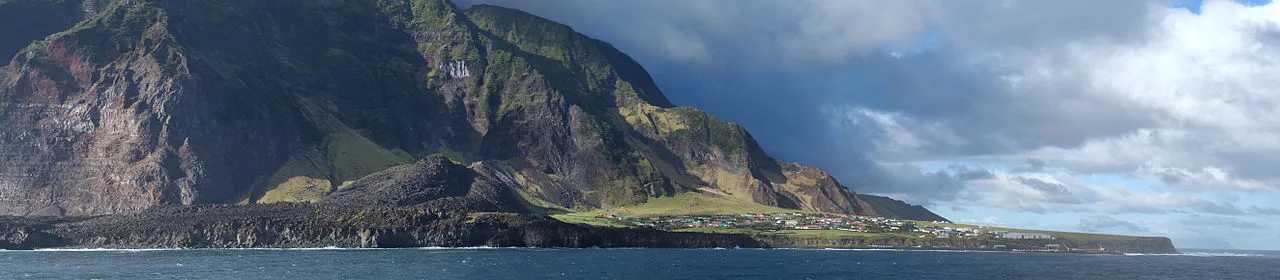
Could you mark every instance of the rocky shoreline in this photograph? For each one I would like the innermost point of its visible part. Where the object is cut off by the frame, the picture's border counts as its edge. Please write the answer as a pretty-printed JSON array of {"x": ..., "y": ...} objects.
[
  {"x": 431, "y": 203},
  {"x": 308, "y": 226},
  {"x": 290, "y": 225}
]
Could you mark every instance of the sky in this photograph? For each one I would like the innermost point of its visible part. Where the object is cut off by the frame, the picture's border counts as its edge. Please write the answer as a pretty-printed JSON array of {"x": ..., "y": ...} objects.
[{"x": 1140, "y": 117}]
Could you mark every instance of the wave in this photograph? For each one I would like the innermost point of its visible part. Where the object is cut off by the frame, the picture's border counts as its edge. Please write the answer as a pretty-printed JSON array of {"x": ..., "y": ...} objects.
[
  {"x": 1223, "y": 254},
  {"x": 1207, "y": 254},
  {"x": 180, "y": 249},
  {"x": 896, "y": 250},
  {"x": 332, "y": 248},
  {"x": 97, "y": 250},
  {"x": 469, "y": 248}
]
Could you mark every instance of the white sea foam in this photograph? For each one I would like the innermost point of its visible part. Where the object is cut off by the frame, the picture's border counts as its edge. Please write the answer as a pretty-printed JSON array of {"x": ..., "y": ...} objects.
[
  {"x": 1204, "y": 254},
  {"x": 899, "y": 250},
  {"x": 1222, "y": 254},
  {"x": 101, "y": 250},
  {"x": 183, "y": 249},
  {"x": 465, "y": 248}
]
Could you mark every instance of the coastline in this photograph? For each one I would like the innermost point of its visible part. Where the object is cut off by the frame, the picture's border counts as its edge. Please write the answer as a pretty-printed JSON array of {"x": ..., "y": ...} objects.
[
  {"x": 1146, "y": 245},
  {"x": 308, "y": 226},
  {"x": 331, "y": 248}
]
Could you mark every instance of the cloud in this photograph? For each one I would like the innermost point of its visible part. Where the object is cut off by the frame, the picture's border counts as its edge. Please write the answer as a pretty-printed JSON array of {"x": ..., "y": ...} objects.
[
  {"x": 1208, "y": 79},
  {"x": 1033, "y": 165},
  {"x": 1053, "y": 190},
  {"x": 1097, "y": 108},
  {"x": 987, "y": 221},
  {"x": 714, "y": 31},
  {"x": 908, "y": 182},
  {"x": 835, "y": 30},
  {"x": 1267, "y": 211},
  {"x": 1101, "y": 224},
  {"x": 1220, "y": 222},
  {"x": 978, "y": 25},
  {"x": 1185, "y": 100},
  {"x": 1208, "y": 231}
]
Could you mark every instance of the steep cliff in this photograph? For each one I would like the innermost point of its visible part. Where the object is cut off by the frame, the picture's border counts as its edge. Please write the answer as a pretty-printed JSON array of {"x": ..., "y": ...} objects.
[{"x": 151, "y": 102}]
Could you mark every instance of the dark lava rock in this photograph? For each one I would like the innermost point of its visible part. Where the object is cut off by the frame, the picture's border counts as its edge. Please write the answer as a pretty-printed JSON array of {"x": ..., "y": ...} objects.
[
  {"x": 428, "y": 179},
  {"x": 434, "y": 183}
]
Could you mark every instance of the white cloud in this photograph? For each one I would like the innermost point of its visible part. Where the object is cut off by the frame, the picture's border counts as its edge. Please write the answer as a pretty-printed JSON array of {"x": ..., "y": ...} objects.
[
  {"x": 894, "y": 135},
  {"x": 1210, "y": 81},
  {"x": 1055, "y": 190},
  {"x": 834, "y": 30},
  {"x": 679, "y": 44},
  {"x": 986, "y": 221}
]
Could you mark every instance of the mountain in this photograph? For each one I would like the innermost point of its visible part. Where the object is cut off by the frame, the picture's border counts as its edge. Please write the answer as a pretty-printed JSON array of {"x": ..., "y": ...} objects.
[{"x": 116, "y": 106}]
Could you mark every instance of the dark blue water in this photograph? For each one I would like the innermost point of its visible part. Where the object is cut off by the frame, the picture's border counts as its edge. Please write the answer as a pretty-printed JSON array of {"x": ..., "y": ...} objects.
[{"x": 625, "y": 264}]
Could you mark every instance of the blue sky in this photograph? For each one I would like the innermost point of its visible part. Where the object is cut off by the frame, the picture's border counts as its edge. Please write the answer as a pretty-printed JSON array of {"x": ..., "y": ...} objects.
[
  {"x": 1129, "y": 117},
  {"x": 1194, "y": 5}
]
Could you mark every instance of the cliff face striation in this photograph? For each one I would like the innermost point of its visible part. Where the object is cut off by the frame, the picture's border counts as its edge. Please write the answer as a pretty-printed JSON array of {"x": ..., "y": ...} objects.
[{"x": 114, "y": 106}]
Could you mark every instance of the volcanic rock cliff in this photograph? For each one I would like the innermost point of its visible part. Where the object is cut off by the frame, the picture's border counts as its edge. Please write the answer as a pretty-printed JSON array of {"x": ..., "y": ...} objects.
[{"x": 116, "y": 106}]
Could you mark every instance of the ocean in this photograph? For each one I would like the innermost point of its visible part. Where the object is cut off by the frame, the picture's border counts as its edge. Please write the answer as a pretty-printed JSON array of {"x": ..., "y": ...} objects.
[{"x": 505, "y": 263}]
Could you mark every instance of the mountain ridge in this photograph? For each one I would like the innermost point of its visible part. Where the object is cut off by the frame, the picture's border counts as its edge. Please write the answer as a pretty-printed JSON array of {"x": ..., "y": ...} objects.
[{"x": 154, "y": 102}]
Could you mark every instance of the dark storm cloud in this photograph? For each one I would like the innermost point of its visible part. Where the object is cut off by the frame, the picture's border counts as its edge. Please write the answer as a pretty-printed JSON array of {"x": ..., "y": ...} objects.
[
  {"x": 773, "y": 45},
  {"x": 803, "y": 76},
  {"x": 981, "y": 24},
  {"x": 1032, "y": 165},
  {"x": 782, "y": 74},
  {"x": 1217, "y": 208},
  {"x": 1268, "y": 211},
  {"x": 1053, "y": 191}
]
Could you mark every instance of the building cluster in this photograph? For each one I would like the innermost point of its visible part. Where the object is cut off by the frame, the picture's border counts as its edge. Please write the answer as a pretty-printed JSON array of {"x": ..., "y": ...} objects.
[
  {"x": 779, "y": 221},
  {"x": 979, "y": 232},
  {"x": 812, "y": 221}
]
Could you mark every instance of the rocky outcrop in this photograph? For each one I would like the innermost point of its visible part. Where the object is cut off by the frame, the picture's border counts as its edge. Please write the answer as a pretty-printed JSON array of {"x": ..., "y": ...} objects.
[
  {"x": 436, "y": 184},
  {"x": 147, "y": 102}
]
